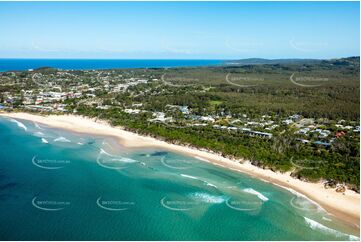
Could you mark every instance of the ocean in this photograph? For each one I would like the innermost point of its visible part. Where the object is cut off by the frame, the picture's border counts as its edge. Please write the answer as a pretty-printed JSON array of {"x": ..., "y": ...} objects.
[
  {"x": 90, "y": 64},
  {"x": 60, "y": 185}
]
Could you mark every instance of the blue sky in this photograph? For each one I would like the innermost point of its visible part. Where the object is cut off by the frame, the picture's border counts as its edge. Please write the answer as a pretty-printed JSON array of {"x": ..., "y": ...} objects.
[{"x": 179, "y": 30}]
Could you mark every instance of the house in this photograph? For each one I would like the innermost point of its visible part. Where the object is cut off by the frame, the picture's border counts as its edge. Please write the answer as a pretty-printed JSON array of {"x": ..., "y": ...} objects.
[
  {"x": 199, "y": 125},
  {"x": 184, "y": 109},
  {"x": 207, "y": 119},
  {"x": 295, "y": 117},
  {"x": 339, "y": 134},
  {"x": 303, "y": 131},
  {"x": 305, "y": 141},
  {"x": 260, "y": 134},
  {"x": 325, "y": 144},
  {"x": 287, "y": 121},
  {"x": 132, "y": 111}
]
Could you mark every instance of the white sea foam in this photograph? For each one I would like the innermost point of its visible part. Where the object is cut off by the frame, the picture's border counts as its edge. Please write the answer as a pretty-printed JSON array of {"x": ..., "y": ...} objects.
[
  {"x": 39, "y": 133},
  {"x": 327, "y": 219},
  {"x": 102, "y": 151},
  {"x": 80, "y": 143},
  {"x": 20, "y": 124},
  {"x": 200, "y": 158},
  {"x": 61, "y": 139},
  {"x": 210, "y": 184},
  {"x": 196, "y": 178},
  {"x": 188, "y": 176},
  {"x": 44, "y": 141},
  {"x": 37, "y": 126},
  {"x": 207, "y": 198},
  {"x": 317, "y": 226},
  {"x": 258, "y": 194},
  {"x": 303, "y": 196},
  {"x": 124, "y": 159},
  {"x": 117, "y": 158}
]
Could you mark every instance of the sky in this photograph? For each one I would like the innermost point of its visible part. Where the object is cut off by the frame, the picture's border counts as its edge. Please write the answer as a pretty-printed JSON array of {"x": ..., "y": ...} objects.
[{"x": 179, "y": 30}]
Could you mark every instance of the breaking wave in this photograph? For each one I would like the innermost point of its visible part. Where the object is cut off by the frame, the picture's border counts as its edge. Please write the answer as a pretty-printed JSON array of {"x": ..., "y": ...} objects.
[
  {"x": 258, "y": 194},
  {"x": 20, "y": 124},
  {"x": 102, "y": 151},
  {"x": 317, "y": 226},
  {"x": 44, "y": 141},
  {"x": 319, "y": 207},
  {"x": 37, "y": 126},
  {"x": 61, "y": 139},
  {"x": 207, "y": 198},
  {"x": 188, "y": 176},
  {"x": 200, "y": 158},
  {"x": 117, "y": 158},
  {"x": 39, "y": 134},
  {"x": 196, "y": 178}
]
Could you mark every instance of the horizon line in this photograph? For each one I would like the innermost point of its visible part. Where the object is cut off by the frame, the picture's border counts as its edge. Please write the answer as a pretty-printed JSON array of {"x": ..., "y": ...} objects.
[{"x": 221, "y": 59}]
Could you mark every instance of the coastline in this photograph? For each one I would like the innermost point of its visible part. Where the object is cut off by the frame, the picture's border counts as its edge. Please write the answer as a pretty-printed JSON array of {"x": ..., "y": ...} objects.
[{"x": 345, "y": 207}]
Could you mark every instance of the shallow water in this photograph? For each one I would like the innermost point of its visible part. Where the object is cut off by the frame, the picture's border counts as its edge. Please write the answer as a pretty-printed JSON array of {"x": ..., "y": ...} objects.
[{"x": 58, "y": 185}]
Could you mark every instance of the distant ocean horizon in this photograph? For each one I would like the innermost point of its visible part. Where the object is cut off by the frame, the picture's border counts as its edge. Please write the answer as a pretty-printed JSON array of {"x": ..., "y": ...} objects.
[{"x": 9, "y": 64}]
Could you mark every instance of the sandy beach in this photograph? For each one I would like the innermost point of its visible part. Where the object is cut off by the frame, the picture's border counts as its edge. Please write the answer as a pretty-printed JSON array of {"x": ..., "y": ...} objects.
[{"x": 344, "y": 206}]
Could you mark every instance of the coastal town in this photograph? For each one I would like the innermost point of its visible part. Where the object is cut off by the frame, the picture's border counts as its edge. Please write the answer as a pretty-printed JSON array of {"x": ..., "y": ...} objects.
[
  {"x": 144, "y": 96},
  {"x": 47, "y": 93},
  {"x": 180, "y": 120}
]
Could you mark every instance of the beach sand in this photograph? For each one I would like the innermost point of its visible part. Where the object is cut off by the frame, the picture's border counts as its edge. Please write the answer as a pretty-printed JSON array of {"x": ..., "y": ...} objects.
[{"x": 345, "y": 206}]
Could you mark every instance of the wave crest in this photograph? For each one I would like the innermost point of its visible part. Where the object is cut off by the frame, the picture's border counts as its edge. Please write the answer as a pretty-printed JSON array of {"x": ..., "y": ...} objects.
[
  {"x": 258, "y": 194},
  {"x": 317, "y": 226},
  {"x": 20, "y": 124}
]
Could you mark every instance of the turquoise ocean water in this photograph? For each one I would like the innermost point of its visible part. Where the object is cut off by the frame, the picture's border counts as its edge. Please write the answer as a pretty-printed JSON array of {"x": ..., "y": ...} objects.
[
  {"x": 90, "y": 64},
  {"x": 58, "y": 185}
]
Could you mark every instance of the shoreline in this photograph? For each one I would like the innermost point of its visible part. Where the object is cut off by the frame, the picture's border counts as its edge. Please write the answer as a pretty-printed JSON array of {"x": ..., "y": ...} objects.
[{"x": 344, "y": 207}]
